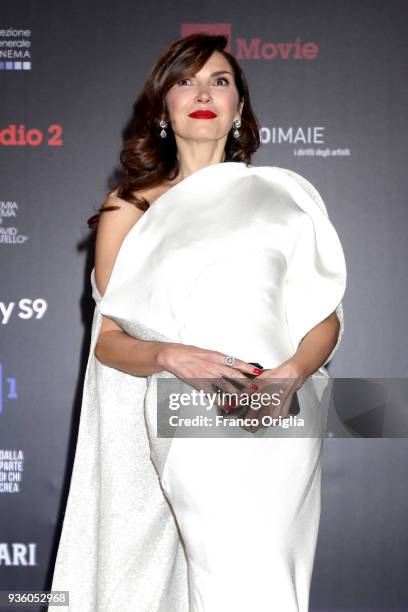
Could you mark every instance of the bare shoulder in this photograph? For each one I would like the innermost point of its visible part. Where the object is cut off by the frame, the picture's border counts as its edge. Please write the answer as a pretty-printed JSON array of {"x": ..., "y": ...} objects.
[{"x": 112, "y": 229}]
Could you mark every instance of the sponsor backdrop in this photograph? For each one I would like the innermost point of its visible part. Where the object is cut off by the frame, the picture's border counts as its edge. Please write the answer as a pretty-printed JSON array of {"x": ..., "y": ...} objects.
[{"x": 328, "y": 83}]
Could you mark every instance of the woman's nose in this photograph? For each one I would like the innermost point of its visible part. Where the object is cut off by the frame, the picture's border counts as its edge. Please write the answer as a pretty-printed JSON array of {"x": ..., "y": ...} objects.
[{"x": 203, "y": 94}]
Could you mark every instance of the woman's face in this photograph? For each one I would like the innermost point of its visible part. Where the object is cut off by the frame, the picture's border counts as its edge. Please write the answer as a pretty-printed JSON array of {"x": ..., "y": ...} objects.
[{"x": 205, "y": 91}]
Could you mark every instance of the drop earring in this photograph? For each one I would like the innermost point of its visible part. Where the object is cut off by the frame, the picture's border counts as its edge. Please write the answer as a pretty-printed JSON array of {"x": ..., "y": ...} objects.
[
  {"x": 163, "y": 124},
  {"x": 236, "y": 125}
]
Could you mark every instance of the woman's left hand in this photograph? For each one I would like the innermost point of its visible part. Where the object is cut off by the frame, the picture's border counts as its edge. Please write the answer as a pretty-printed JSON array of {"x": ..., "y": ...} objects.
[{"x": 274, "y": 390}]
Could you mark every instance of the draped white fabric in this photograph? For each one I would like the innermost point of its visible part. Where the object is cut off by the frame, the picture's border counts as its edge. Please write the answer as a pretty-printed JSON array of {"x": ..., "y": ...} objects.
[{"x": 234, "y": 258}]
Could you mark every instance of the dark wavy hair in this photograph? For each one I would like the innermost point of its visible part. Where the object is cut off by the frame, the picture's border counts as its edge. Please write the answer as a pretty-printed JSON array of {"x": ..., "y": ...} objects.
[{"x": 148, "y": 159}]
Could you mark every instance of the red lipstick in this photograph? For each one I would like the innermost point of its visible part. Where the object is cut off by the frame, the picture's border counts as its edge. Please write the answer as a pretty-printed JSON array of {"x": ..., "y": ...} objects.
[{"x": 202, "y": 114}]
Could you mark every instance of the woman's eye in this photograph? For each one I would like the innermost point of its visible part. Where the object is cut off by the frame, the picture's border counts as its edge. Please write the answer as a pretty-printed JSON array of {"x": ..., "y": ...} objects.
[{"x": 223, "y": 79}]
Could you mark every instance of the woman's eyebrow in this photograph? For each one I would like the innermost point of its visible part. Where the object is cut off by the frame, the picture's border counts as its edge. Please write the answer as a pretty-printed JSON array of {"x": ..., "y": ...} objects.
[{"x": 220, "y": 72}]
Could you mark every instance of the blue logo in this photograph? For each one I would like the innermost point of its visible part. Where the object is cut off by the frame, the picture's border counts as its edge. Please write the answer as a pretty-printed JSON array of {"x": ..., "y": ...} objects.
[{"x": 7, "y": 388}]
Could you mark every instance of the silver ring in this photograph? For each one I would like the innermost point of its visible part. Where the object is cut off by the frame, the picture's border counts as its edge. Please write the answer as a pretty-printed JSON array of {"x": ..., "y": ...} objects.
[{"x": 229, "y": 361}]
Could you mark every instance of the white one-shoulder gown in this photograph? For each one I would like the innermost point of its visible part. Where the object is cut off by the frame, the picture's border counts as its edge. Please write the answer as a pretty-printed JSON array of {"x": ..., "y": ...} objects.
[{"x": 234, "y": 258}]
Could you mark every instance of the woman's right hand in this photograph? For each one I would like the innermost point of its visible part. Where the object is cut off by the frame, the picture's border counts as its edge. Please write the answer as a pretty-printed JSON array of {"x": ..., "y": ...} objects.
[{"x": 202, "y": 368}]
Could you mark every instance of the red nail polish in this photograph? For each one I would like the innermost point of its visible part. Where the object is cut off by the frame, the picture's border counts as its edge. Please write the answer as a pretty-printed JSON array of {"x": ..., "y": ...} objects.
[
  {"x": 256, "y": 371},
  {"x": 254, "y": 387},
  {"x": 233, "y": 403}
]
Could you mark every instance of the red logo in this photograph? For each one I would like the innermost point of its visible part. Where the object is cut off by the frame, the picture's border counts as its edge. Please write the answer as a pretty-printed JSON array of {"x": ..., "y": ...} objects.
[
  {"x": 255, "y": 48},
  {"x": 20, "y": 135}
]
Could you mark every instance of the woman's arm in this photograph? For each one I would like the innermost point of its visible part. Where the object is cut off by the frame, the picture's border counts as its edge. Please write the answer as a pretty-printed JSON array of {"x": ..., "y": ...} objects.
[
  {"x": 117, "y": 349},
  {"x": 314, "y": 348}
]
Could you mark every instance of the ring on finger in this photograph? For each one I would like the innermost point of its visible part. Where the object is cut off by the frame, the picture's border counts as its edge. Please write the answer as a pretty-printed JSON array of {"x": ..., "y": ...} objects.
[{"x": 229, "y": 361}]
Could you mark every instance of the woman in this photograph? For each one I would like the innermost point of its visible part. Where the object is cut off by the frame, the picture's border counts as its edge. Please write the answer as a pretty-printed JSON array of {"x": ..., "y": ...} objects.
[{"x": 204, "y": 265}]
